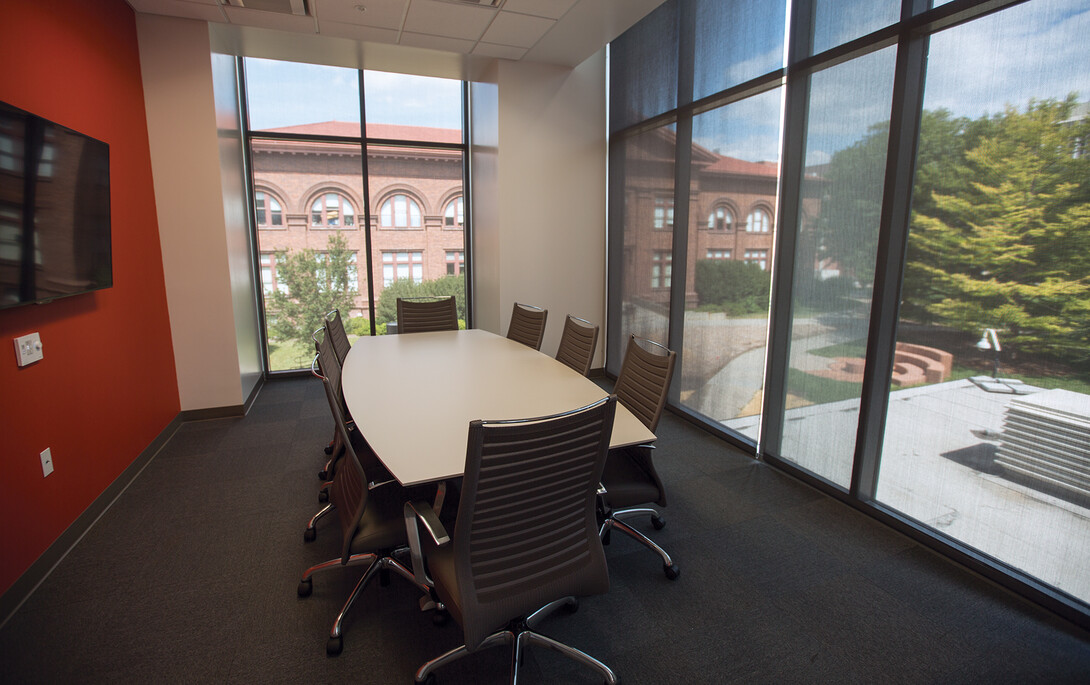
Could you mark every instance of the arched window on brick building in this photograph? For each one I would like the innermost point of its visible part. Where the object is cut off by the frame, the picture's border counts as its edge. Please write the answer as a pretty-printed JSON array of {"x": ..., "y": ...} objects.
[
  {"x": 400, "y": 211},
  {"x": 332, "y": 210}
]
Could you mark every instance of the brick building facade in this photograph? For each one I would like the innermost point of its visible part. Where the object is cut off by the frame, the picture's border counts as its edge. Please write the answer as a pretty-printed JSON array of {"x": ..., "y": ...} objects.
[
  {"x": 731, "y": 214},
  {"x": 305, "y": 190}
]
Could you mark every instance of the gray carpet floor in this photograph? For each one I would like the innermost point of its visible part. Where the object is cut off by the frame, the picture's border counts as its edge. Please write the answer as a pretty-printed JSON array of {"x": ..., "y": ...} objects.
[{"x": 190, "y": 576}]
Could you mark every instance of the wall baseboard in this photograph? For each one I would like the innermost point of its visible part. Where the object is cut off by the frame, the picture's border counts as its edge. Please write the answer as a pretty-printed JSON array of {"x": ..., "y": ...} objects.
[{"x": 25, "y": 585}]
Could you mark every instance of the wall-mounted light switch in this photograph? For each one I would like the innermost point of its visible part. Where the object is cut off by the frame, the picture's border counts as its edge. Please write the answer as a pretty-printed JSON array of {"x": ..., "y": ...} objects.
[
  {"x": 28, "y": 349},
  {"x": 47, "y": 462}
]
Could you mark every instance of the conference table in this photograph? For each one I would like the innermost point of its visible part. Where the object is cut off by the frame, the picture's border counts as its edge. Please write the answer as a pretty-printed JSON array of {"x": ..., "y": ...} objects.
[{"x": 413, "y": 395}]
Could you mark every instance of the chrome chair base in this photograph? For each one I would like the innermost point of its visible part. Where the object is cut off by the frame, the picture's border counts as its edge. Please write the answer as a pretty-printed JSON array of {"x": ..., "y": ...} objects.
[
  {"x": 311, "y": 532},
  {"x": 522, "y": 635},
  {"x": 377, "y": 564},
  {"x": 613, "y": 520}
]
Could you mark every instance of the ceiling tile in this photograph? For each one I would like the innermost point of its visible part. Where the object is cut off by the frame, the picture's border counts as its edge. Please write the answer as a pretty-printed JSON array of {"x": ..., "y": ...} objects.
[
  {"x": 552, "y": 9},
  {"x": 500, "y": 51},
  {"x": 444, "y": 18},
  {"x": 386, "y": 14},
  {"x": 269, "y": 20},
  {"x": 206, "y": 10},
  {"x": 356, "y": 32},
  {"x": 517, "y": 29},
  {"x": 423, "y": 40}
]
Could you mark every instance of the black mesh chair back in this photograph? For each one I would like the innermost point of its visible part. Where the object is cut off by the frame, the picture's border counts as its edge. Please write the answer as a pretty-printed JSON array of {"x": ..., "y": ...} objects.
[
  {"x": 577, "y": 344},
  {"x": 329, "y": 368},
  {"x": 644, "y": 379},
  {"x": 421, "y": 315},
  {"x": 334, "y": 327},
  {"x": 348, "y": 492},
  {"x": 528, "y": 325},
  {"x": 526, "y": 532}
]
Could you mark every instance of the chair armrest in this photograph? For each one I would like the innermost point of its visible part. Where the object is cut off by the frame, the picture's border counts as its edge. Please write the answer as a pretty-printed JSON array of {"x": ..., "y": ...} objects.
[
  {"x": 424, "y": 513},
  {"x": 420, "y": 512}
]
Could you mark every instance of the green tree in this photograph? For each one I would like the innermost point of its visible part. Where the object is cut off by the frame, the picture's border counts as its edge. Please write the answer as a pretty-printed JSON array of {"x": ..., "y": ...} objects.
[
  {"x": 386, "y": 308},
  {"x": 1001, "y": 239},
  {"x": 313, "y": 284}
]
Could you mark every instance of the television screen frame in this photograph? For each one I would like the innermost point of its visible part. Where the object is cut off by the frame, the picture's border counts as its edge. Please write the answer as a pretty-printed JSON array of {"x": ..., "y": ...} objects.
[{"x": 56, "y": 234}]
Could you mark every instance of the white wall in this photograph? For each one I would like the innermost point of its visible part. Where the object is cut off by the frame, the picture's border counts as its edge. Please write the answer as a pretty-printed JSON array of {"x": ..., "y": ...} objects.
[
  {"x": 175, "y": 66},
  {"x": 550, "y": 196},
  {"x": 236, "y": 223},
  {"x": 539, "y": 204}
]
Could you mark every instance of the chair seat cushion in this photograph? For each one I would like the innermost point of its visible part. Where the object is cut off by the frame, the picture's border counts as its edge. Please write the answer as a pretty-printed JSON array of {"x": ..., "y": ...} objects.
[
  {"x": 626, "y": 481},
  {"x": 382, "y": 526}
]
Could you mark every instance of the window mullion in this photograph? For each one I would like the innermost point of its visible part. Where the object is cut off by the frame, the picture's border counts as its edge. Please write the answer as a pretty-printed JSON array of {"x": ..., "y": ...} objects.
[
  {"x": 788, "y": 218},
  {"x": 908, "y": 90}
]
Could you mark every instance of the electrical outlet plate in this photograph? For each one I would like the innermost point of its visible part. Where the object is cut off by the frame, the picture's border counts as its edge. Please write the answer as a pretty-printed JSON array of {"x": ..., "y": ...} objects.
[
  {"x": 28, "y": 349},
  {"x": 47, "y": 462}
]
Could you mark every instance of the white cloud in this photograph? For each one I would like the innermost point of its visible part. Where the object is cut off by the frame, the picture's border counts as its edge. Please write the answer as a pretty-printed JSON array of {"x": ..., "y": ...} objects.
[{"x": 1035, "y": 50}]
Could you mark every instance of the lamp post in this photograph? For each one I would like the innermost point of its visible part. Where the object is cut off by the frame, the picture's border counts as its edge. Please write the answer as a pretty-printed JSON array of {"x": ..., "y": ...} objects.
[{"x": 993, "y": 344}]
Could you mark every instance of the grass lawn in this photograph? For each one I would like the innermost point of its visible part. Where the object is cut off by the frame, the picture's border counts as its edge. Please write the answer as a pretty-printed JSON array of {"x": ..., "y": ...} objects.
[{"x": 289, "y": 355}]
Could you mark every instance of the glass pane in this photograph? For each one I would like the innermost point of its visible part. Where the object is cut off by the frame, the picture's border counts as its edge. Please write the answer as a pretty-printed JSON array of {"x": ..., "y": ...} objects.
[
  {"x": 411, "y": 188},
  {"x": 308, "y": 260},
  {"x": 735, "y": 171},
  {"x": 647, "y": 265},
  {"x": 993, "y": 336},
  {"x": 838, "y": 21},
  {"x": 736, "y": 40},
  {"x": 643, "y": 69},
  {"x": 405, "y": 107},
  {"x": 291, "y": 97},
  {"x": 847, "y": 134}
]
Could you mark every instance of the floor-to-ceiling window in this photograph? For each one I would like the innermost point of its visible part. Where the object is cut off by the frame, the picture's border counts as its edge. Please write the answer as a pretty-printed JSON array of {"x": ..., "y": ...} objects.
[
  {"x": 863, "y": 226},
  {"x": 358, "y": 197}
]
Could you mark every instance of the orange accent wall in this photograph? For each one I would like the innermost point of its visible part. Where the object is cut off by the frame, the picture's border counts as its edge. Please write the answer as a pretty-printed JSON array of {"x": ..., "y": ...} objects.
[{"x": 107, "y": 385}]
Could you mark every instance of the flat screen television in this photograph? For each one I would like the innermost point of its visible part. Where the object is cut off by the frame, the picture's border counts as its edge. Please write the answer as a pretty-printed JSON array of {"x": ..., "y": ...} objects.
[{"x": 54, "y": 210}]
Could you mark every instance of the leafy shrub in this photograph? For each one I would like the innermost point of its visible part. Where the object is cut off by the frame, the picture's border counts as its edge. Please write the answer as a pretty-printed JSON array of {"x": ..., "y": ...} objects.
[
  {"x": 386, "y": 309},
  {"x": 357, "y": 325},
  {"x": 734, "y": 287}
]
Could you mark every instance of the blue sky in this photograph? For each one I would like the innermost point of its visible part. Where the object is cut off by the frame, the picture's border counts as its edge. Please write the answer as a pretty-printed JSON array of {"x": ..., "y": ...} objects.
[
  {"x": 1039, "y": 49},
  {"x": 289, "y": 93}
]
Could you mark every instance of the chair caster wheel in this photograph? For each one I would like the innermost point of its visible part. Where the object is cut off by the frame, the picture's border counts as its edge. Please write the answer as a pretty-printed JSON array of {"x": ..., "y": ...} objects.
[
  {"x": 323, "y": 475},
  {"x": 672, "y": 571},
  {"x": 334, "y": 645},
  {"x": 605, "y": 538},
  {"x": 430, "y": 680},
  {"x": 323, "y": 496},
  {"x": 309, "y": 534},
  {"x": 305, "y": 587},
  {"x": 657, "y": 522},
  {"x": 572, "y": 606},
  {"x": 329, "y": 448}
]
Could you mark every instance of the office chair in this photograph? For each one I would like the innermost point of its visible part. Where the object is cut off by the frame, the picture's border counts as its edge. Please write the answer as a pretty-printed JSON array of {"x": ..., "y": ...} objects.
[
  {"x": 577, "y": 344},
  {"x": 420, "y": 315},
  {"x": 629, "y": 478},
  {"x": 525, "y": 540},
  {"x": 333, "y": 329},
  {"x": 527, "y": 325},
  {"x": 372, "y": 526},
  {"x": 327, "y": 367}
]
